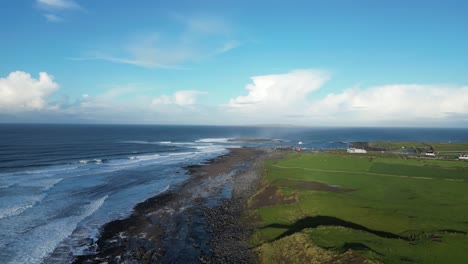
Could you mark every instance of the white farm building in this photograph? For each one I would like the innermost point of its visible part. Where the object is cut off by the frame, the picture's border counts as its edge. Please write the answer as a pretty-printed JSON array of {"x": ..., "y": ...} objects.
[{"x": 356, "y": 150}]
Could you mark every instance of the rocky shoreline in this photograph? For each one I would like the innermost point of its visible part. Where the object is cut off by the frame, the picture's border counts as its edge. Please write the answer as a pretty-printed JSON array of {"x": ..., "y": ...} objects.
[{"x": 198, "y": 221}]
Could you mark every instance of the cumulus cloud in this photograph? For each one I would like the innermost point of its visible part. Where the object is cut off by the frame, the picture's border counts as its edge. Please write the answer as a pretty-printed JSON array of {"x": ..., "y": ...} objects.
[
  {"x": 291, "y": 98},
  {"x": 280, "y": 92},
  {"x": 180, "y": 98},
  {"x": 21, "y": 92},
  {"x": 395, "y": 103}
]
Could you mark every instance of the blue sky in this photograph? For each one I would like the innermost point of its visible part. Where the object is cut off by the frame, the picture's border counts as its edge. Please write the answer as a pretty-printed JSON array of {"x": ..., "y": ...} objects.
[{"x": 314, "y": 63}]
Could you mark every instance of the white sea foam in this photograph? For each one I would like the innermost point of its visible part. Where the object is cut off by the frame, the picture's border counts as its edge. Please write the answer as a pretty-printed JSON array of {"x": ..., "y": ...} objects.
[
  {"x": 158, "y": 142},
  {"x": 21, "y": 204},
  {"x": 184, "y": 143},
  {"x": 34, "y": 227},
  {"x": 42, "y": 240},
  {"x": 89, "y": 231},
  {"x": 48, "y": 171},
  {"x": 145, "y": 157},
  {"x": 213, "y": 140},
  {"x": 6, "y": 185},
  {"x": 46, "y": 183},
  {"x": 139, "y": 142},
  {"x": 17, "y": 204},
  {"x": 181, "y": 153},
  {"x": 95, "y": 161}
]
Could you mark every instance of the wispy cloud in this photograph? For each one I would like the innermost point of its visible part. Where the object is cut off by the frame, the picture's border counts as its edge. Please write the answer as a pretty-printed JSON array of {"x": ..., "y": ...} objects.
[
  {"x": 58, "y": 4},
  {"x": 54, "y": 9},
  {"x": 181, "y": 98},
  {"x": 202, "y": 24},
  {"x": 53, "y": 18},
  {"x": 199, "y": 38},
  {"x": 227, "y": 46}
]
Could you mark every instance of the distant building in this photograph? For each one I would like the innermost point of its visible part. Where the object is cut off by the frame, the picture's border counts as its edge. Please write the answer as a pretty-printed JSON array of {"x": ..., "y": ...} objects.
[
  {"x": 430, "y": 153},
  {"x": 284, "y": 148},
  {"x": 356, "y": 150},
  {"x": 463, "y": 157},
  {"x": 408, "y": 151}
]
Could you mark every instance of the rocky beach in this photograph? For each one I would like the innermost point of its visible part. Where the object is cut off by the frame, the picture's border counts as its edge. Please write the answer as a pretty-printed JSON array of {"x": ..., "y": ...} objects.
[{"x": 197, "y": 221}]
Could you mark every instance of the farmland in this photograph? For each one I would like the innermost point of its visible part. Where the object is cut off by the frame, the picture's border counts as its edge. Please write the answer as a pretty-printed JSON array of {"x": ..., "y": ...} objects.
[
  {"x": 445, "y": 149},
  {"x": 352, "y": 208}
]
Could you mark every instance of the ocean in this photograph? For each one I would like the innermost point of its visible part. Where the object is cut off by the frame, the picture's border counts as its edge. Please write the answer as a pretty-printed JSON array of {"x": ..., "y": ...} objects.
[{"x": 60, "y": 183}]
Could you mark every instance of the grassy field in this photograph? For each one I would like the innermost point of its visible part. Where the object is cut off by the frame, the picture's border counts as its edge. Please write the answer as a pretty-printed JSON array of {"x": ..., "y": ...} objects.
[
  {"x": 351, "y": 208},
  {"x": 440, "y": 147}
]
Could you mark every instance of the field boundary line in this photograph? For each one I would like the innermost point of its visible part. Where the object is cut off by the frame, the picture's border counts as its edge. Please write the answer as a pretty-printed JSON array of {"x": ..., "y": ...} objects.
[{"x": 369, "y": 173}]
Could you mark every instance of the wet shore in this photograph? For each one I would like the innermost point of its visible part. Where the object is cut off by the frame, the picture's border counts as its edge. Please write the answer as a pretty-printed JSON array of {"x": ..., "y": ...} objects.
[{"x": 197, "y": 221}]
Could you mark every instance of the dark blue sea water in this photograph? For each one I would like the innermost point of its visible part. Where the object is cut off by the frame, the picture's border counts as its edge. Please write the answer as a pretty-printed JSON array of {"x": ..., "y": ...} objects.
[{"x": 60, "y": 183}]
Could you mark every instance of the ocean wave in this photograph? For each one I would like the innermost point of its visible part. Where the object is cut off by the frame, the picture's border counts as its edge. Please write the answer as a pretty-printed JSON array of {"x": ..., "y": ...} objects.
[
  {"x": 139, "y": 142},
  {"x": 30, "y": 241},
  {"x": 41, "y": 241},
  {"x": 18, "y": 208},
  {"x": 95, "y": 161},
  {"x": 181, "y": 153},
  {"x": 213, "y": 140},
  {"x": 47, "y": 184},
  {"x": 144, "y": 157},
  {"x": 20, "y": 203},
  {"x": 159, "y": 142},
  {"x": 148, "y": 142},
  {"x": 44, "y": 170}
]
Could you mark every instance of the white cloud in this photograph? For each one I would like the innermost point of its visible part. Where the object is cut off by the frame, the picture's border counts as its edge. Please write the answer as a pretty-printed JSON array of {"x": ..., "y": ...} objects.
[
  {"x": 280, "y": 92},
  {"x": 20, "y": 92},
  {"x": 199, "y": 38},
  {"x": 117, "y": 98},
  {"x": 227, "y": 47},
  {"x": 290, "y": 98},
  {"x": 208, "y": 25},
  {"x": 400, "y": 103},
  {"x": 150, "y": 52},
  {"x": 58, "y": 4},
  {"x": 54, "y": 10},
  {"x": 127, "y": 104},
  {"x": 53, "y": 18},
  {"x": 180, "y": 98}
]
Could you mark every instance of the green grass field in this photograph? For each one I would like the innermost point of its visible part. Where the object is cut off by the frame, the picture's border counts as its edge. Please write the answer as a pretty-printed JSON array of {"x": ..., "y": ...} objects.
[
  {"x": 440, "y": 147},
  {"x": 388, "y": 209}
]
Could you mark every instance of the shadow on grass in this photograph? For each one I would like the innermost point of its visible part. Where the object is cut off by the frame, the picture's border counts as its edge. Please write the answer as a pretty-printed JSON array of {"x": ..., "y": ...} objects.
[
  {"x": 451, "y": 231},
  {"x": 354, "y": 246},
  {"x": 316, "y": 221},
  {"x": 359, "y": 246}
]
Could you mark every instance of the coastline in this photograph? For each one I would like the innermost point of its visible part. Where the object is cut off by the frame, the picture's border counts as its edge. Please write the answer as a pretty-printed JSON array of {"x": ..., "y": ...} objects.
[{"x": 198, "y": 220}]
